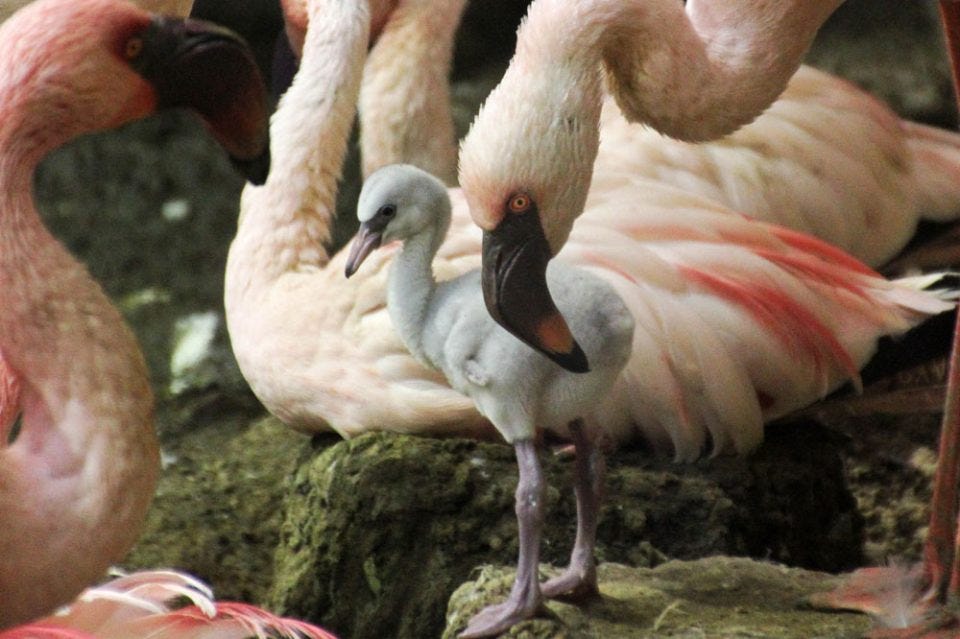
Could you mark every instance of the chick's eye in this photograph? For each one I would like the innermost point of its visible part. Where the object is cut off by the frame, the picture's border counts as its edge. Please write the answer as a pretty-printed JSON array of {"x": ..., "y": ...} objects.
[
  {"x": 133, "y": 48},
  {"x": 387, "y": 210},
  {"x": 519, "y": 203}
]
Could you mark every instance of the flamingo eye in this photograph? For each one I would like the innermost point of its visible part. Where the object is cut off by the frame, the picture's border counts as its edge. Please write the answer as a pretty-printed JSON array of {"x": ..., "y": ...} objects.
[
  {"x": 387, "y": 210},
  {"x": 519, "y": 203},
  {"x": 133, "y": 48}
]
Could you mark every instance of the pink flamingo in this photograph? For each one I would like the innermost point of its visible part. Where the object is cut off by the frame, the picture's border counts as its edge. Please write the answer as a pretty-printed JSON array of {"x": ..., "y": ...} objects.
[
  {"x": 79, "y": 465},
  {"x": 307, "y": 361}
]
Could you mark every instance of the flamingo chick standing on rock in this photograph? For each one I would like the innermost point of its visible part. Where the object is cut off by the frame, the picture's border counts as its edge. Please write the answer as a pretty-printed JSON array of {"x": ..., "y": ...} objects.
[
  {"x": 78, "y": 473},
  {"x": 518, "y": 389}
]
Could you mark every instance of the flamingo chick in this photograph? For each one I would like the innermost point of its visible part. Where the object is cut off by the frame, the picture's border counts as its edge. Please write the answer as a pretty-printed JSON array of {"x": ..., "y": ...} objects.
[
  {"x": 78, "y": 453},
  {"x": 518, "y": 389}
]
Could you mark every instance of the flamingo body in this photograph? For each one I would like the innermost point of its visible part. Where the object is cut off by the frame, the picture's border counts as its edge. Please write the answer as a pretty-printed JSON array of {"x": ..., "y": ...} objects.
[{"x": 826, "y": 158}]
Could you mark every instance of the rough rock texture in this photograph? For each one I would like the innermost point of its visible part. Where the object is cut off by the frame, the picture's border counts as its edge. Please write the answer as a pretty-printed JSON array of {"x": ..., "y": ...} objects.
[
  {"x": 379, "y": 530},
  {"x": 717, "y": 597}
]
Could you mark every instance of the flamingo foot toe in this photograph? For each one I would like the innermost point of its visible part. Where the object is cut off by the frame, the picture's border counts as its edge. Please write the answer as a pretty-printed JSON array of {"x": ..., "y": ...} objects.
[
  {"x": 573, "y": 585},
  {"x": 497, "y": 619}
]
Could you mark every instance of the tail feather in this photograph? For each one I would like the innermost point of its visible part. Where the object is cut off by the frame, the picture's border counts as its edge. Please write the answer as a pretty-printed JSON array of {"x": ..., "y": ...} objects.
[{"x": 143, "y": 605}]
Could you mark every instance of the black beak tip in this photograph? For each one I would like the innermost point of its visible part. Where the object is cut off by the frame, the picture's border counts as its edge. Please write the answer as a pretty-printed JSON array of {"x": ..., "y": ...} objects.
[
  {"x": 255, "y": 170},
  {"x": 574, "y": 361}
]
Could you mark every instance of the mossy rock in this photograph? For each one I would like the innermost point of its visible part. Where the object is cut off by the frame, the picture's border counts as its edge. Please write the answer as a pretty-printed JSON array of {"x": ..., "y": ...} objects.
[
  {"x": 380, "y": 530},
  {"x": 219, "y": 503},
  {"x": 712, "y": 598}
]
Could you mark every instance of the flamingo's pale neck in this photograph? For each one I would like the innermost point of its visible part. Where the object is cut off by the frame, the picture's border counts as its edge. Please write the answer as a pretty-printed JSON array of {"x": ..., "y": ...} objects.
[
  {"x": 285, "y": 224},
  {"x": 404, "y": 105},
  {"x": 701, "y": 71},
  {"x": 76, "y": 482},
  {"x": 411, "y": 285}
]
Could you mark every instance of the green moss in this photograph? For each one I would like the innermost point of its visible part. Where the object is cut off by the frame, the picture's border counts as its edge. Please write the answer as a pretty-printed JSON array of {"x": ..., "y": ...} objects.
[
  {"x": 718, "y": 597},
  {"x": 381, "y": 529}
]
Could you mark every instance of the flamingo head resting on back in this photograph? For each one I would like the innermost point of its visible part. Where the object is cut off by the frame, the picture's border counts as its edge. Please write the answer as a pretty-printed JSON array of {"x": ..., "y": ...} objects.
[{"x": 144, "y": 62}]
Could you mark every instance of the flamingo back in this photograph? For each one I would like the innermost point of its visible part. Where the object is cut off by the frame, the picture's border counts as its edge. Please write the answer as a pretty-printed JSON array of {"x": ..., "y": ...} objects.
[{"x": 827, "y": 159}]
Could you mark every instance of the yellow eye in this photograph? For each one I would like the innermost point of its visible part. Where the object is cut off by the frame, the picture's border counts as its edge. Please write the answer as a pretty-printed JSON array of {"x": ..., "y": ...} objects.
[
  {"x": 133, "y": 48},
  {"x": 519, "y": 203}
]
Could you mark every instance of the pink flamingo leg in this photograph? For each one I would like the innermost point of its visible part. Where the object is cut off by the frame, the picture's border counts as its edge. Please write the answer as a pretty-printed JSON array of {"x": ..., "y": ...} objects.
[
  {"x": 579, "y": 580},
  {"x": 939, "y": 549},
  {"x": 943, "y": 537},
  {"x": 525, "y": 596}
]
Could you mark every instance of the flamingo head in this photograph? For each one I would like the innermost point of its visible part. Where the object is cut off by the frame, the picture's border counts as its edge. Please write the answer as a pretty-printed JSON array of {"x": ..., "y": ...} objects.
[
  {"x": 88, "y": 65},
  {"x": 398, "y": 202},
  {"x": 525, "y": 170}
]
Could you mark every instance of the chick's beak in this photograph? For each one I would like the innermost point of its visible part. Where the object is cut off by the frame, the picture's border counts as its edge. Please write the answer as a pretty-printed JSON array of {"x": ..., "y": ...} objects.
[
  {"x": 207, "y": 68},
  {"x": 515, "y": 258},
  {"x": 368, "y": 240}
]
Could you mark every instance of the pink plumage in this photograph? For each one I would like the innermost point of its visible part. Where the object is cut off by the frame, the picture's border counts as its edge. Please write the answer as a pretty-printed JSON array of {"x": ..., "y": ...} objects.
[{"x": 143, "y": 605}]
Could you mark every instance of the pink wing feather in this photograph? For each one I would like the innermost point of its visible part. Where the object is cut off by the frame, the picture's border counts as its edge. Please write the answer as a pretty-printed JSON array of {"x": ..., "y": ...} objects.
[
  {"x": 827, "y": 158},
  {"x": 141, "y": 605},
  {"x": 738, "y": 322}
]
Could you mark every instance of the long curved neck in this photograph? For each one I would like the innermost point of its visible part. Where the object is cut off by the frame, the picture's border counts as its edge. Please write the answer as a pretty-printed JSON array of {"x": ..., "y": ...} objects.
[
  {"x": 285, "y": 223},
  {"x": 696, "y": 71},
  {"x": 82, "y": 471},
  {"x": 412, "y": 286},
  {"x": 405, "y": 113}
]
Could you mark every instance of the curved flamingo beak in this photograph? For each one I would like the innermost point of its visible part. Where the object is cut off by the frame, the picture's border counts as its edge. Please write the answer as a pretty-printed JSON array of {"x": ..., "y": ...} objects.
[
  {"x": 515, "y": 258},
  {"x": 367, "y": 240},
  {"x": 209, "y": 69}
]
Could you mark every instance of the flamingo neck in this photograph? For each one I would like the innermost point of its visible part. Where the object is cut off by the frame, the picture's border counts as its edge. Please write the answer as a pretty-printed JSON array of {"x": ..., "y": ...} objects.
[
  {"x": 700, "y": 71},
  {"x": 76, "y": 482},
  {"x": 404, "y": 105},
  {"x": 285, "y": 223},
  {"x": 695, "y": 72},
  {"x": 412, "y": 286}
]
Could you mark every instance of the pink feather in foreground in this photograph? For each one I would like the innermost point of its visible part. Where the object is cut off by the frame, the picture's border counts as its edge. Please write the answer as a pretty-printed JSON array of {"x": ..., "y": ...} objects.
[{"x": 148, "y": 605}]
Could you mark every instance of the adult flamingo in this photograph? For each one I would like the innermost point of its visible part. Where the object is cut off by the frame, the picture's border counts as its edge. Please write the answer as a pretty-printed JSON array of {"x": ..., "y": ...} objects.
[
  {"x": 693, "y": 71},
  {"x": 79, "y": 466},
  {"x": 308, "y": 362}
]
